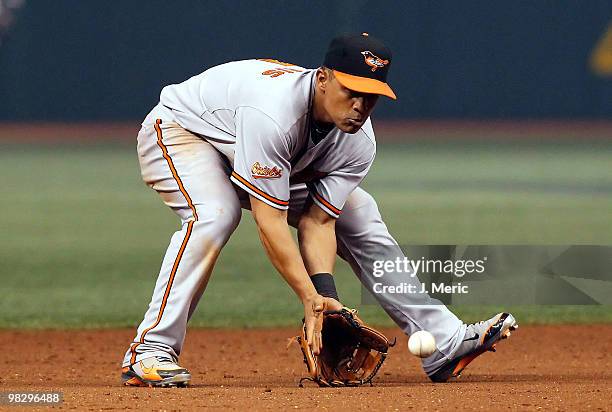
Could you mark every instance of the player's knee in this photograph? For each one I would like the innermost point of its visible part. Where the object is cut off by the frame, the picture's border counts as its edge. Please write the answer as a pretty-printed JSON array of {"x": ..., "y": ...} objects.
[
  {"x": 224, "y": 217},
  {"x": 227, "y": 218},
  {"x": 360, "y": 204},
  {"x": 359, "y": 215}
]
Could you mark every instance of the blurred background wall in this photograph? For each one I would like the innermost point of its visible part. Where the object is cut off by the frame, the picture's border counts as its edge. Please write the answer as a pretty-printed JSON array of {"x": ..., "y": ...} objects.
[{"x": 71, "y": 60}]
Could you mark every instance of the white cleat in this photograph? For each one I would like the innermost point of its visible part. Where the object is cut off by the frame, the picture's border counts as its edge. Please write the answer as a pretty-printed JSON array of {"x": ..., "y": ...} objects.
[
  {"x": 155, "y": 371},
  {"x": 479, "y": 338}
]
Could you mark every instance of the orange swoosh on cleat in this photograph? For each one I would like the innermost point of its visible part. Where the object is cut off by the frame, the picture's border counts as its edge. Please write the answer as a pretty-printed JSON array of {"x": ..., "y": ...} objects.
[
  {"x": 150, "y": 374},
  {"x": 465, "y": 362}
]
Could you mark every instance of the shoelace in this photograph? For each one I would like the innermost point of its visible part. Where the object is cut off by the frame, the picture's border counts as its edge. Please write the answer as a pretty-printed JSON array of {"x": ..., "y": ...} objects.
[
  {"x": 476, "y": 334},
  {"x": 163, "y": 359},
  {"x": 477, "y": 323}
]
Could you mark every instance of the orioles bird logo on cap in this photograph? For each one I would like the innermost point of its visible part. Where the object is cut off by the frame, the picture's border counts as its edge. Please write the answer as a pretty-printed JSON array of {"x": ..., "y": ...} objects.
[{"x": 374, "y": 61}]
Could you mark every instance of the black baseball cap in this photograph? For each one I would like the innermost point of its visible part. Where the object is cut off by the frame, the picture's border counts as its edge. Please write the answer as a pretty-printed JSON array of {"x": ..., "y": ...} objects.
[{"x": 360, "y": 62}]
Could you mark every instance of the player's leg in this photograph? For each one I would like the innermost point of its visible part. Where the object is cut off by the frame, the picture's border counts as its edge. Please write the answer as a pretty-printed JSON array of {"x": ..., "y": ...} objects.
[
  {"x": 362, "y": 237},
  {"x": 192, "y": 179}
]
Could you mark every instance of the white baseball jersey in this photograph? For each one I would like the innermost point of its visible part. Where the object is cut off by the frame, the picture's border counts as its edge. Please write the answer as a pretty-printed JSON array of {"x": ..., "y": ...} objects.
[{"x": 257, "y": 114}]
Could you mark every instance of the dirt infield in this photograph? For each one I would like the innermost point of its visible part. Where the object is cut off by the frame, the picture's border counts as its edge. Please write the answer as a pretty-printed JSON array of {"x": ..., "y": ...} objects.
[{"x": 544, "y": 367}]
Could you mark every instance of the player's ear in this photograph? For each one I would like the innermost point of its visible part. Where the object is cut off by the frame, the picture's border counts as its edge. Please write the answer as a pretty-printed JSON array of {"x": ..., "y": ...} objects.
[{"x": 322, "y": 78}]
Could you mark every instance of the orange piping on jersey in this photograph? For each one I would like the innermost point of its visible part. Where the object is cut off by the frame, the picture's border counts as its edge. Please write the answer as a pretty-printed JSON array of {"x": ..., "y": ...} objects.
[
  {"x": 173, "y": 169},
  {"x": 258, "y": 191},
  {"x": 175, "y": 266},
  {"x": 327, "y": 204}
]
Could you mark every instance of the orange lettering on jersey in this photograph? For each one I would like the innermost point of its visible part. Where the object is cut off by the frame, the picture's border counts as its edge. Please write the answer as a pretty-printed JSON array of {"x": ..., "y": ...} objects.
[
  {"x": 276, "y": 62},
  {"x": 278, "y": 71},
  {"x": 273, "y": 73},
  {"x": 265, "y": 172}
]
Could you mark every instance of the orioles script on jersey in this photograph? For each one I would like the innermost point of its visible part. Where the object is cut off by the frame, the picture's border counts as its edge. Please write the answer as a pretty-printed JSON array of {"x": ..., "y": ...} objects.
[{"x": 262, "y": 172}]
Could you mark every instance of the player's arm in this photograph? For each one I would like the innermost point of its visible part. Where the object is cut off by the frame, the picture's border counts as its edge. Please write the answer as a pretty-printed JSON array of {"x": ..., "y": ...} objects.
[
  {"x": 281, "y": 248},
  {"x": 262, "y": 169},
  {"x": 317, "y": 226},
  {"x": 317, "y": 238},
  {"x": 285, "y": 256}
]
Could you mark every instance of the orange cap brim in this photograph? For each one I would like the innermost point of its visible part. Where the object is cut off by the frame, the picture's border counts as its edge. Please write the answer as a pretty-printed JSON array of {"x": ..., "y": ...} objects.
[{"x": 364, "y": 84}]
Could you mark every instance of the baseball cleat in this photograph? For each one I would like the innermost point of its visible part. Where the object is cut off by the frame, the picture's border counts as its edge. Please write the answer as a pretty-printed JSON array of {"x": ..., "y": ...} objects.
[
  {"x": 479, "y": 338},
  {"x": 155, "y": 371}
]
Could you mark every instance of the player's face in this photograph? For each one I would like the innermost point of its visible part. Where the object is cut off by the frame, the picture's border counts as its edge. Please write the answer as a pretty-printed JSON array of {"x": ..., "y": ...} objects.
[{"x": 346, "y": 108}]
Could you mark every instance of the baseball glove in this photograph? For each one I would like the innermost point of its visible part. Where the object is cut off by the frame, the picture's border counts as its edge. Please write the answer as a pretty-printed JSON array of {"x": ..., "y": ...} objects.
[{"x": 352, "y": 352}]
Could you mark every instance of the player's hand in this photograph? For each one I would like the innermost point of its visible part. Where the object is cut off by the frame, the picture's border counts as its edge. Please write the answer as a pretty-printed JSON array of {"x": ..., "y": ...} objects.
[
  {"x": 332, "y": 304},
  {"x": 313, "y": 319}
]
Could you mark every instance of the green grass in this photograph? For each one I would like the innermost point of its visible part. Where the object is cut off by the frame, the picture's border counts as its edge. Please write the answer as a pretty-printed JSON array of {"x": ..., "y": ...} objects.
[{"x": 81, "y": 237}]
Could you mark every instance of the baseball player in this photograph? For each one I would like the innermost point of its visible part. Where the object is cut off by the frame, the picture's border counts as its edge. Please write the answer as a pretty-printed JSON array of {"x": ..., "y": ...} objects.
[{"x": 292, "y": 145}]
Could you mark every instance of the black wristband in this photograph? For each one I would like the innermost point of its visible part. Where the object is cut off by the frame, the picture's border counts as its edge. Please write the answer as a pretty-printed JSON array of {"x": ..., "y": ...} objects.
[{"x": 325, "y": 286}]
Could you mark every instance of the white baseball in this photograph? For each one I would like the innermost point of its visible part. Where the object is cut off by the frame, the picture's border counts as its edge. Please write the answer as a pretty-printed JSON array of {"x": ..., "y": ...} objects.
[{"x": 422, "y": 344}]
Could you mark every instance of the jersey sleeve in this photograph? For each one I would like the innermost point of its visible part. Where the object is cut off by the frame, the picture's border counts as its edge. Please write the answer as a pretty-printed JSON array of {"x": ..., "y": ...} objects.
[
  {"x": 331, "y": 192},
  {"x": 261, "y": 158}
]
